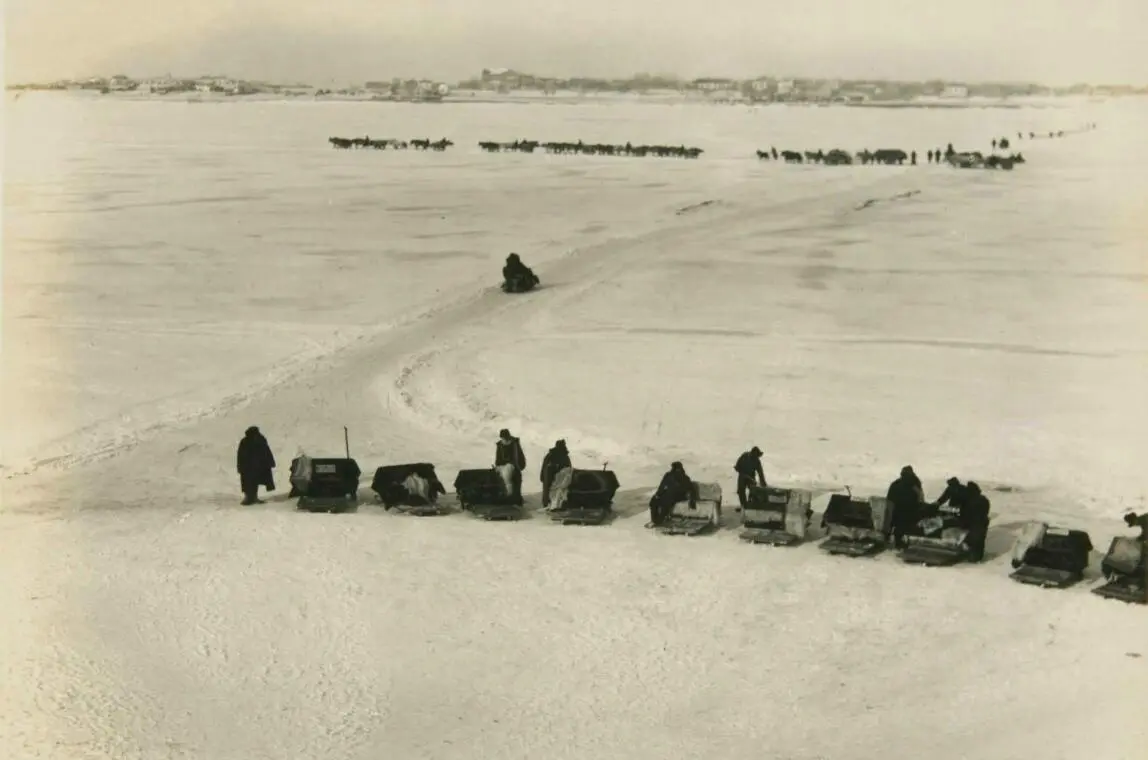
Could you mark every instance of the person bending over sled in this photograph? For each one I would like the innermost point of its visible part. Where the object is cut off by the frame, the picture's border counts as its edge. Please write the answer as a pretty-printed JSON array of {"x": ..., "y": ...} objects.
[
  {"x": 254, "y": 461},
  {"x": 508, "y": 451},
  {"x": 556, "y": 460},
  {"x": 748, "y": 467},
  {"x": 516, "y": 276},
  {"x": 675, "y": 486},
  {"x": 1134, "y": 520}
]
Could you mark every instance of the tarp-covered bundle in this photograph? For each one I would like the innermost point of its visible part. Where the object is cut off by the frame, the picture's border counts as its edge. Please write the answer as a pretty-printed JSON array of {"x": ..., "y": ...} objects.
[
  {"x": 411, "y": 485},
  {"x": 1050, "y": 556},
  {"x": 857, "y": 527},
  {"x": 1124, "y": 567},
  {"x": 582, "y": 497},
  {"x": 485, "y": 493},
  {"x": 333, "y": 486},
  {"x": 938, "y": 540},
  {"x": 778, "y": 516}
]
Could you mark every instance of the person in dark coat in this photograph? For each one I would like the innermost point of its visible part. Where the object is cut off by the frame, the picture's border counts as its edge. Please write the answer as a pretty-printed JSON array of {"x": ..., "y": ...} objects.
[
  {"x": 748, "y": 468},
  {"x": 955, "y": 495},
  {"x": 509, "y": 451},
  {"x": 1134, "y": 520},
  {"x": 975, "y": 519},
  {"x": 555, "y": 461},
  {"x": 675, "y": 486},
  {"x": 907, "y": 497},
  {"x": 254, "y": 461},
  {"x": 516, "y": 270}
]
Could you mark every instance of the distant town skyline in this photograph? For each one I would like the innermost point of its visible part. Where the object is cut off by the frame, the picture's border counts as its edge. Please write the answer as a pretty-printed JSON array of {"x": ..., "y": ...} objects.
[{"x": 1054, "y": 43}]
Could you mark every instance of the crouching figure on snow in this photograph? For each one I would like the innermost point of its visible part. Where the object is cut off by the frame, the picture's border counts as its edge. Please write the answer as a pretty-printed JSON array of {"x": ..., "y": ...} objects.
[
  {"x": 676, "y": 486},
  {"x": 516, "y": 276}
]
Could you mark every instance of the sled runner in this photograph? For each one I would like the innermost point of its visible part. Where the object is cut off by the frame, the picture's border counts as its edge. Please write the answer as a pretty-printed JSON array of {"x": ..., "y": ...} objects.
[
  {"x": 583, "y": 497},
  {"x": 523, "y": 284},
  {"x": 1123, "y": 566},
  {"x": 776, "y": 516},
  {"x": 1049, "y": 556},
  {"x": 332, "y": 485},
  {"x": 857, "y": 527},
  {"x": 483, "y": 493},
  {"x": 705, "y": 517},
  {"x": 409, "y": 488}
]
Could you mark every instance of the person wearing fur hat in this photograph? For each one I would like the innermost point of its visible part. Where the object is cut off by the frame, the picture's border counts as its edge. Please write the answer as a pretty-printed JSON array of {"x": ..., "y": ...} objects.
[
  {"x": 907, "y": 497},
  {"x": 508, "y": 450},
  {"x": 748, "y": 468},
  {"x": 254, "y": 462},
  {"x": 555, "y": 461}
]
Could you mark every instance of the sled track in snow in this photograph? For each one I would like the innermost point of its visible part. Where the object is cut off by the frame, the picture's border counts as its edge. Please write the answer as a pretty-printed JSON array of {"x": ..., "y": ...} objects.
[{"x": 399, "y": 345}]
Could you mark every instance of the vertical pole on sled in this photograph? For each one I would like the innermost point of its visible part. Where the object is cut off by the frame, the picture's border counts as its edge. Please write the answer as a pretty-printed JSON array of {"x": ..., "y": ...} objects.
[{"x": 346, "y": 442}]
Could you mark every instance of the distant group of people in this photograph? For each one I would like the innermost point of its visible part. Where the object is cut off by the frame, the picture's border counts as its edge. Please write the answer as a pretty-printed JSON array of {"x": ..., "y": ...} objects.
[{"x": 963, "y": 504}]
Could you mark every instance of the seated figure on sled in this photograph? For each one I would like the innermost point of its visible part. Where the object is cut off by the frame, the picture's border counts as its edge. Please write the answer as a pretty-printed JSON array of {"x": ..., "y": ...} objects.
[
  {"x": 1125, "y": 566},
  {"x": 681, "y": 506},
  {"x": 776, "y": 516},
  {"x": 413, "y": 488},
  {"x": 942, "y": 539},
  {"x": 857, "y": 527},
  {"x": 1050, "y": 556},
  {"x": 517, "y": 277},
  {"x": 325, "y": 485}
]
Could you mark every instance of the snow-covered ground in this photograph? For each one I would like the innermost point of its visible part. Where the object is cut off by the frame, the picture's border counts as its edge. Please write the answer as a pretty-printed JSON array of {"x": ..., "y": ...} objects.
[{"x": 176, "y": 272}]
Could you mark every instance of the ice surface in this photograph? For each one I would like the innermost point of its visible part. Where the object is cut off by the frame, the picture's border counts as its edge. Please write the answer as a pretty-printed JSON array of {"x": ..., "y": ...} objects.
[{"x": 176, "y": 272}]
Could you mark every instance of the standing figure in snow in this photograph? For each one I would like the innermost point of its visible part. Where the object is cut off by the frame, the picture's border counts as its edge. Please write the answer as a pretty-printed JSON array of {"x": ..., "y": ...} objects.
[
  {"x": 555, "y": 461},
  {"x": 748, "y": 468},
  {"x": 955, "y": 495},
  {"x": 975, "y": 519},
  {"x": 675, "y": 486},
  {"x": 254, "y": 461},
  {"x": 508, "y": 452},
  {"x": 907, "y": 497}
]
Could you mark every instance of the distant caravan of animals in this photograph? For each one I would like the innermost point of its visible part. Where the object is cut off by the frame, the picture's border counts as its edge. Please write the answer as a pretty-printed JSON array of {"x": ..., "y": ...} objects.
[
  {"x": 949, "y": 530},
  {"x": 834, "y": 157}
]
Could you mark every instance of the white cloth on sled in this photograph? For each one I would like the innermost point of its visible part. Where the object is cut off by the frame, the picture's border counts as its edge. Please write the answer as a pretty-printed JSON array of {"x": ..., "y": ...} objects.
[
  {"x": 506, "y": 473},
  {"x": 301, "y": 472},
  {"x": 560, "y": 488},
  {"x": 1031, "y": 535},
  {"x": 419, "y": 487}
]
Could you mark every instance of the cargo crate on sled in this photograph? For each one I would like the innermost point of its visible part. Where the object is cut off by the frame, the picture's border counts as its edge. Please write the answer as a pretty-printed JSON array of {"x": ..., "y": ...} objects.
[
  {"x": 328, "y": 485},
  {"x": 483, "y": 493},
  {"x": 409, "y": 488},
  {"x": 857, "y": 527},
  {"x": 586, "y": 499},
  {"x": 940, "y": 542},
  {"x": 776, "y": 516},
  {"x": 1124, "y": 568},
  {"x": 1049, "y": 556},
  {"x": 704, "y": 517}
]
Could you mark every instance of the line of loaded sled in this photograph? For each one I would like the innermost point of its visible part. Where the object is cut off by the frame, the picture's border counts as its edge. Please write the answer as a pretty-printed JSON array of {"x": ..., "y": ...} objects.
[{"x": 1043, "y": 555}]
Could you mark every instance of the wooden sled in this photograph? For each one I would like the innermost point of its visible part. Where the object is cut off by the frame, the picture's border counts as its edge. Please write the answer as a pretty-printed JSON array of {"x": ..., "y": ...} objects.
[
  {"x": 388, "y": 484},
  {"x": 857, "y": 527},
  {"x": 704, "y": 518},
  {"x": 332, "y": 486},
  {"x": 1124, "y": 568},
  {"x": 482, "y": 493},
  {"x": 941, "y": 543},
  {"x": 1050, "y": 557},
  {"x": 588, "y": 498},
  {"x": 776, "y": 516}
]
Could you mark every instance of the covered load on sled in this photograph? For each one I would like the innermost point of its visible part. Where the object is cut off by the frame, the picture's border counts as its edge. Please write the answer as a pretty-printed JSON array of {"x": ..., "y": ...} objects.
[
  {"x": 1049, "y": 556},
  {"x": 325, "y": 485},
  {"x": 776, "y": 516},
  {"x": 694, "y": 516},
  {"x": 857, "y": 527},
  {"x": 489, "y": 493},
  {"x": 409, "y": 488},
  {"x": 1125, "y": 569},
  {"x": 582, "y": 497},
  {"x": 944, "y": 538},
  {"x": 517, "y": 277}
]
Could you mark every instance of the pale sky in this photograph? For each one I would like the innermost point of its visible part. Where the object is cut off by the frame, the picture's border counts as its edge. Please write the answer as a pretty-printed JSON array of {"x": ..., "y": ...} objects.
[{"x": 349, "y": 41}]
